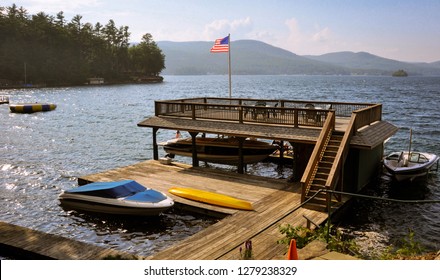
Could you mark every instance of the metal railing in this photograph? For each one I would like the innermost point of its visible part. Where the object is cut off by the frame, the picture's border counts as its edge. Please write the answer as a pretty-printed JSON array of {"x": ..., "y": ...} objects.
[
  {"x": 357, "y": 196},
  {"x": 282, "y": 112}
]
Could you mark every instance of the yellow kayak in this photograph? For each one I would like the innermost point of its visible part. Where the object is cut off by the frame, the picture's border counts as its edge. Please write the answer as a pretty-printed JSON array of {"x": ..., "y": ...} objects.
[{"x": 211, "y": 198}]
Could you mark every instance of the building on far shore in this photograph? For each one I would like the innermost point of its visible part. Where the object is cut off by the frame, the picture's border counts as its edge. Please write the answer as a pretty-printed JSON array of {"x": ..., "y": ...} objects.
[{"x": 95, "y": 81}]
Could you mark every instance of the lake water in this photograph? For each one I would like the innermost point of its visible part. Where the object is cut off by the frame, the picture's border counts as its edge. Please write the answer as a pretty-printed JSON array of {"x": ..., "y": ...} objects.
[{"x": 95, "y": 129}]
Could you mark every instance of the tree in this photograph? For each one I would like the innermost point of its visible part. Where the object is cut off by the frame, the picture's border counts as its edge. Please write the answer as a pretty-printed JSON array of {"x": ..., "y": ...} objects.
[
  {"x": 57, "y": 52},
  {"x": 147, "y": 58},
  {"x": 60, "y": 20}
]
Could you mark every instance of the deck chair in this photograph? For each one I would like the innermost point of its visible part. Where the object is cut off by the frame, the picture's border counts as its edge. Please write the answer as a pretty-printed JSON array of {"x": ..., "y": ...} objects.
[
  {"x": 273, "y": 111},
  {"x": 310, "y": 115},
  {"x": 259, "y": 111}
]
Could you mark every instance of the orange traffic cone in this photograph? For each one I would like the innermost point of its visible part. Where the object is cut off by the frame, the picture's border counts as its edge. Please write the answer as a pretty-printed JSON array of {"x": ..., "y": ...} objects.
[{"x": 292, "y": 254}]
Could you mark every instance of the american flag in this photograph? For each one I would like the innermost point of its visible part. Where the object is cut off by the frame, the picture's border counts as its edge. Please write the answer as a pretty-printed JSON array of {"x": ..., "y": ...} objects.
[{"x": 221, "y": 45}]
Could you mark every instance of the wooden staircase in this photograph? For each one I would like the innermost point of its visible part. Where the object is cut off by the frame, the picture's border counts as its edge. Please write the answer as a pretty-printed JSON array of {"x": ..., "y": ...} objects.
[{"x": 323, "y": 168}]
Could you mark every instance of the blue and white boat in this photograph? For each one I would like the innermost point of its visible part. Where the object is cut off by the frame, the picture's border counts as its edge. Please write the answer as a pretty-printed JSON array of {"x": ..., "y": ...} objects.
[
  {"x": 125, "y": 197},
  {"x": 410, "y": 165}
]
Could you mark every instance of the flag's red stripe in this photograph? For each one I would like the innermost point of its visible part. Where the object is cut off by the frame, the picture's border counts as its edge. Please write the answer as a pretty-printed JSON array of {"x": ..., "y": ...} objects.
[{"x": 218, "y": 47}]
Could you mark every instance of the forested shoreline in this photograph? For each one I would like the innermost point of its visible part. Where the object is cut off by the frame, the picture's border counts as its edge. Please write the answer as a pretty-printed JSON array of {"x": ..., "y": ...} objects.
[{"x": 48, "y": 50}]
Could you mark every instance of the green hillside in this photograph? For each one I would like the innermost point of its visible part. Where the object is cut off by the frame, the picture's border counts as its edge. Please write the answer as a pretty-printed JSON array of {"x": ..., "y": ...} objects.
[
  {"x": 369, "y": 64},
  {"x": 250, "y": 57},
  {"x": 247, "y": 57}
]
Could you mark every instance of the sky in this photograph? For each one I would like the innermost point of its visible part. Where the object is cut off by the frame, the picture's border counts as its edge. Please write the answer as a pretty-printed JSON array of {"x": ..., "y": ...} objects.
[{"x": 405, "y": 30}]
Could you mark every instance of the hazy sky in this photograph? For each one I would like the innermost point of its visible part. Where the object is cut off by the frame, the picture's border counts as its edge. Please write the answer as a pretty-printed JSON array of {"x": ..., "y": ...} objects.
[{"x": 406, "y": 30}]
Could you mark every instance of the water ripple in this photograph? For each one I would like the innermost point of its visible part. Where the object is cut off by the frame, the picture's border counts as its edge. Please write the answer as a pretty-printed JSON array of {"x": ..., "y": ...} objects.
[{"x": 95, "y": 129}]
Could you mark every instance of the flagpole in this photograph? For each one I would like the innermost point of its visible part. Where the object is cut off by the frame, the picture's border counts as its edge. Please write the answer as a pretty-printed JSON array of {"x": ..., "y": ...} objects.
[{"x": 229, "y": 65}]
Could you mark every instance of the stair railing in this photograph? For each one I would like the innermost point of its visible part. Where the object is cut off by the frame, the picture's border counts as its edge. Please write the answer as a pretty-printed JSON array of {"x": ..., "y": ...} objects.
[
  {"x": 336, "y": 171},
  {"x": 320, "y": 145},
  {"x": 359, "y": 118}
]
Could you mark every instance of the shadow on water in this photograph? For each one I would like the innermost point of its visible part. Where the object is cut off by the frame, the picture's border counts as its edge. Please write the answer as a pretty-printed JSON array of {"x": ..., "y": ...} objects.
[
  {"x": 105, "y": 222},
  {"x": 414, "y": 190},
  {"x": 376, "y": 224},
  {"x": 170, "y": 220},
  {"x": 136, "y": 235}
]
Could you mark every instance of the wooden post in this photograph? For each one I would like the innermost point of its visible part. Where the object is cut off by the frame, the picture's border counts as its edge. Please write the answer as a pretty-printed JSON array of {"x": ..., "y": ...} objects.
[
  {"x": 195, "y": 160},
  {"x": 155, "y": 149},
  {"x": 295, "y": 157},
  {"x": 240, "y": 155},
  {"x": 295, "y": 118},
  {"x": 240, "y": 114},
  {"x": 281, "y": 151},
  {"x": 193, "y": 111}
]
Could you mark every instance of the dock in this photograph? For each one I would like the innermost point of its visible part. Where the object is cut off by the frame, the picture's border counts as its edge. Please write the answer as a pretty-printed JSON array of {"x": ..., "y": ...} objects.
[
  {"x": 4, "y": 99},
  {"x": 329, "y": 139},
  {"x": 273, "y": 200},
  {"x": 29, "y": 244},
  {"x": 336, "y": 146}
]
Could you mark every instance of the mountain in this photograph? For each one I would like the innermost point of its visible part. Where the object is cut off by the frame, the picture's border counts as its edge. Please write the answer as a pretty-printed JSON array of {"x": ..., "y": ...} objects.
[
  {"x": 435, "y": 64},
  {"x": 366, "y": 63},
  {"x": 248, "y": 57},
  {"x": 251, "y": 57}
]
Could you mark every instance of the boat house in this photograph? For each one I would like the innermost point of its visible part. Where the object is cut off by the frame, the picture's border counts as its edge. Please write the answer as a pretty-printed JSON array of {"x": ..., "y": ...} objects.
[
  {"x": 95, "y": 81},
  {"x": 336, "y": 145}
]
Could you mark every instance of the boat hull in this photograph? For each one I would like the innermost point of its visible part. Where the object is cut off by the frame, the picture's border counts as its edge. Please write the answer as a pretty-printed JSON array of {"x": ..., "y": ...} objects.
[
  {"x": 404, "y": 167},
  {"x": 107, "y": 208},
  {"x": 118, "y": 198},
  {"x": 219, "y": 150},
  {"x": 211, "y": 198}
]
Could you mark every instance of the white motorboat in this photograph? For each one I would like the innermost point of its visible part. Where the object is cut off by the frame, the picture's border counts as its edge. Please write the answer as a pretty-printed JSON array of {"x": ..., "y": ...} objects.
[
  {"x": 125, "y": 197},
  {"x": 410, "y": 165}
]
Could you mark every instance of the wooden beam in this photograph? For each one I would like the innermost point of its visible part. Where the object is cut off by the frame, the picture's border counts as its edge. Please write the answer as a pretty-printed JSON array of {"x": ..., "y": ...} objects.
[
  {"x": 155, "y": 148},
  {"x": 195, "y": 160},
  {"x": 240, "y": 155}
]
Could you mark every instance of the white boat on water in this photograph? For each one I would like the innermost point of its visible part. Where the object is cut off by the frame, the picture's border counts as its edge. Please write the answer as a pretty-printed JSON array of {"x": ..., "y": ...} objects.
[
  {"x": 220, "y": 150},
  {"x": 125, "y": 197},
  {"x": 407, "y": 165}
]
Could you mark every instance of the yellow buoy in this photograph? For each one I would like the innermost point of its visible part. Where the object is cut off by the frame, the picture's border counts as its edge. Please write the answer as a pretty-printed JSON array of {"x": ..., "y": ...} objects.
[{"x": 31, "y": 107}]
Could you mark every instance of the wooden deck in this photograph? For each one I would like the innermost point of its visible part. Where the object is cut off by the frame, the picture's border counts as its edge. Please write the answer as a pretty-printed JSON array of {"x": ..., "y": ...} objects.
[
  {"x": 289, "y": 120},
  {"x": 25, "y": 243},
  {"x": 366, "y": 138},
  {"x": 162, "y": 177},
  {"x": 273, "y": 201}
]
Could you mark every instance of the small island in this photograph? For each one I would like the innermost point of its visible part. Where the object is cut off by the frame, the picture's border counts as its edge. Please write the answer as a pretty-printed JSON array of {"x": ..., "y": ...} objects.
[{"x": 400, "y": 73}]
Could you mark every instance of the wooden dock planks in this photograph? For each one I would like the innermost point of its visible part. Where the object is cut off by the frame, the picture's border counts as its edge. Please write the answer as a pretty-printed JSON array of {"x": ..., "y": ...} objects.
[
  {"x": 32, "y": 244},
  {"x": 273, "y": 201},
  {"x": 223, "y": 240},
  {"x": 162, "y": 177}
]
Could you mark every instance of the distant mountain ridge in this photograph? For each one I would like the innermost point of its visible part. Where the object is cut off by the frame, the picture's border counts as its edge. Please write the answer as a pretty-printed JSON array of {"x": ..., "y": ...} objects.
[
  {"x": 251, "y": 57},
  {"x": 363, "y": 62}
]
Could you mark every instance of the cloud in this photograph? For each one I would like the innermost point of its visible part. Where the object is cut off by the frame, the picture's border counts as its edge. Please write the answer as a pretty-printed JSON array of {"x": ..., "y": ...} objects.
[
  {"x": 322, "y": 35},
  {"x": 317, "y": 40},
  {"x": 294, "y": 33},
  {"x": 55, "y": 6},
  {"x": 237, "y": 27},
  {"x": 293, "y": 39}
]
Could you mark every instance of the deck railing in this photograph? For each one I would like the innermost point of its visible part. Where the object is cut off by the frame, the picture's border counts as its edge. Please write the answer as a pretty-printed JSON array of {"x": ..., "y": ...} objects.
[
  {"x": 368, "y": 115},
  {"x": 282, "y": 112}
]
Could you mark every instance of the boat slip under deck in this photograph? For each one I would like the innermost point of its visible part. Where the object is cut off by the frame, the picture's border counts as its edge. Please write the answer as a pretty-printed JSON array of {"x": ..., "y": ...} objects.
[{"x": 274, "y": 201}]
